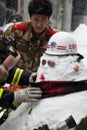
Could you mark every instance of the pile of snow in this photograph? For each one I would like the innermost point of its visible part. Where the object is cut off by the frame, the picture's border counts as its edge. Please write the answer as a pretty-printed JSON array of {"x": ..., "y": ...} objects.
[
  {"x": 52, "y": 110},
  {"x": 80, "y": 35}
]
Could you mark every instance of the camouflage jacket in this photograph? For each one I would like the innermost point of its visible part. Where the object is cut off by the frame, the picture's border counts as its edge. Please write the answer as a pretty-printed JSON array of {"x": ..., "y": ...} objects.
[{"x": 30, "y": 46}]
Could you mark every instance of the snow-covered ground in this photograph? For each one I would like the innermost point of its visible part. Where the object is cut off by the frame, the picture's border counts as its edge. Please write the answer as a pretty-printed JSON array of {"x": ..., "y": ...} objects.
[{"x": 56, "y": 109}]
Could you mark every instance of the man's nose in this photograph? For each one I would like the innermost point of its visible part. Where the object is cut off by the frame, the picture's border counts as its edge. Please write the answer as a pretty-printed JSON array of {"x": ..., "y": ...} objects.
[{"x": 39, "y": 23}]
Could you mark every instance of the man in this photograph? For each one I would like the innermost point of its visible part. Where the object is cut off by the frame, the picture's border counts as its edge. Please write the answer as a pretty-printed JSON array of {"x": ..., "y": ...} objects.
[
  {"x": 9, "y": 97},
  {"x": 31, "y": 37},
  {"x": 7, "y": 70}
]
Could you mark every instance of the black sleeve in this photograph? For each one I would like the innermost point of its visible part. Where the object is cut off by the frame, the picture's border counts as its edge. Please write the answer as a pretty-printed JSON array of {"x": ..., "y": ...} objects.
[
  {"x": 7, "y": 99},
  {"x": 24, "y": 80},
  {"x": 82, "y": 124},
  {"x": 43, "y": 127}
]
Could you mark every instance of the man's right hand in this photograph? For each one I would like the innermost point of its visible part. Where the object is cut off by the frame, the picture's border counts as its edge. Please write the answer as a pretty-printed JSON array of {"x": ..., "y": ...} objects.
[
  {"x": 30, "y": 94},
  {"x": 3, "y": 74}
]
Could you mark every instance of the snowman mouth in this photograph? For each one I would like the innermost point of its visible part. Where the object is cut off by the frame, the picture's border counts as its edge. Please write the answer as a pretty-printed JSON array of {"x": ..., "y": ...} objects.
[{"x": 42, "y": 77}]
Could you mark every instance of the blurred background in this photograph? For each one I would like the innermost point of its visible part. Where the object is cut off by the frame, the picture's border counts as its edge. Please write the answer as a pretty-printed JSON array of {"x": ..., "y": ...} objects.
[{"x": 67, "y": 14}]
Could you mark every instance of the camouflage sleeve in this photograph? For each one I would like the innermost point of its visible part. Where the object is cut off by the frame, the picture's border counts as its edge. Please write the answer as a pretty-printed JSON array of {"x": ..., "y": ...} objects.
[
  {"x": 9, "y": 31},
  {"x": 13, "y": 33},
  {"x": 16, "y": 30}
]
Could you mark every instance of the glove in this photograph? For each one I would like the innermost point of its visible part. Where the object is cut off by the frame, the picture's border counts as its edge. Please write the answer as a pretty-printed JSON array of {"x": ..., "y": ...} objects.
[
  {"x": 3, "y": 74},
  {"x": 30, "y": 94},
  {"x": 44, "y": 127}
]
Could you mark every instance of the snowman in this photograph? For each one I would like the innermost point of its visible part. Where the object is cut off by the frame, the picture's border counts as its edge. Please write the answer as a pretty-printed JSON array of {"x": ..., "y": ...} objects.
[
  {"x": 61, "y": 71},
  {"x": 61, "y": 68}
]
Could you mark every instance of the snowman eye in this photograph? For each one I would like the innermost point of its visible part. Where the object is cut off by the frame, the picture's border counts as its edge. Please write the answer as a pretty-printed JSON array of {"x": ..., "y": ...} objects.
[
  {"x": 43, "y": 62},
  {"x": 73, "y": 61},
  {"x": 51, "y": 64}
]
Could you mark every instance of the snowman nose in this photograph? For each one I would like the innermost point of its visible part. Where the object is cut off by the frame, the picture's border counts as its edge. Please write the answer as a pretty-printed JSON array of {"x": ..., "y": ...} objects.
[{"x": 49, "y": 63}]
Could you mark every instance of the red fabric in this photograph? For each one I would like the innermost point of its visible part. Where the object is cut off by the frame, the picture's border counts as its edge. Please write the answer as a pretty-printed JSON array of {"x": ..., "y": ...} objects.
[
  {"x": 50, "y": 32},
  {"x": 55, "y": 88},
  {"x": 20, "y": 26}
]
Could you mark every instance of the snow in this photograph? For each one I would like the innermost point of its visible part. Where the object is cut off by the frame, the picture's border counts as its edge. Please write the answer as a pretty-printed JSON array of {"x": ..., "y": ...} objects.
[
  {"x": 56, "y": 109},
  {"x": 81, "y": 39},
  {"x": 58, "y": 73}
]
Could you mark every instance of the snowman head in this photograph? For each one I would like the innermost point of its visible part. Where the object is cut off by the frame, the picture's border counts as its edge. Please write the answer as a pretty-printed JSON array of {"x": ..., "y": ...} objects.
[{"x": 61, "y": 43}]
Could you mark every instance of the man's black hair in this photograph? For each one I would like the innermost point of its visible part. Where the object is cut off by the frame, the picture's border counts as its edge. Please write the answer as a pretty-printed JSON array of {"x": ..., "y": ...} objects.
[{"x": 42, "y": 7}]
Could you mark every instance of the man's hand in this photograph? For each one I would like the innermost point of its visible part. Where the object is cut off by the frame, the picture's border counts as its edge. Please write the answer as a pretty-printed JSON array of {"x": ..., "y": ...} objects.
[
  {"x": 30, "y": 94},
  {"x": 32, "y": 78},
  {"x": 3, "y": 74}
]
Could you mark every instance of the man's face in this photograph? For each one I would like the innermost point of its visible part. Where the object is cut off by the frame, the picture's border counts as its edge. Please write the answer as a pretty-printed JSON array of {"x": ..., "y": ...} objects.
[{"x": 39, "y": 22}]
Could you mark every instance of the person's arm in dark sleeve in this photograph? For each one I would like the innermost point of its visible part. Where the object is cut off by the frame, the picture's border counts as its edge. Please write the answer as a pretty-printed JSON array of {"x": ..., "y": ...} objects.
[
  {"x": 18, "y": 76},
  {"x": 6, "y": 98}
]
